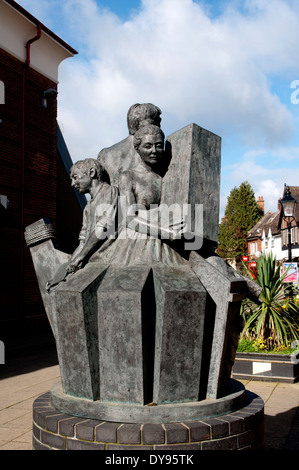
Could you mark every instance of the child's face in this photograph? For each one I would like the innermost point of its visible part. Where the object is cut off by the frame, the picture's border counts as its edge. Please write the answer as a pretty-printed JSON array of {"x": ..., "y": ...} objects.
[{"x": 80, "y": 180}]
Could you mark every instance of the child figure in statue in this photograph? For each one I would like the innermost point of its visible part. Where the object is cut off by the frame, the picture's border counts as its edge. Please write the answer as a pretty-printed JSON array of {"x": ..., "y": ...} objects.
[{"x": 98, "y": 216}]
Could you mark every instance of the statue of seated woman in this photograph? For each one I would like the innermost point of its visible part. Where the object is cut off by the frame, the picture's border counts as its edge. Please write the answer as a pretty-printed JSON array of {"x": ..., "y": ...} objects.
[
  {"x": 146, "y": 235},
  {"x": 147, "y": 286}
]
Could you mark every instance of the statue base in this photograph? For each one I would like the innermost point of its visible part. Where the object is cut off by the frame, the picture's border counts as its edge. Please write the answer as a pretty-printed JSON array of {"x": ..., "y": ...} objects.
[
  {"x": 162, "y": 413},
  {"x": 241, "y": 428}
]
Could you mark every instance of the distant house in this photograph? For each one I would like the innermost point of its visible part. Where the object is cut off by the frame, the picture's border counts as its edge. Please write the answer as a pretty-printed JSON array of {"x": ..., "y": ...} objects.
[
  {"x": 264, "y": 235},
  {"x": 271, "y": 237},
  {"x": 270, "y": 234},
  {"x": 34, "y": 179}
]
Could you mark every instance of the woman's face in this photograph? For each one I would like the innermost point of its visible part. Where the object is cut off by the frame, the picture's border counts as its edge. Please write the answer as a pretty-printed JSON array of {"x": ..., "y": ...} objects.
[{"x": 151, "y": 149}]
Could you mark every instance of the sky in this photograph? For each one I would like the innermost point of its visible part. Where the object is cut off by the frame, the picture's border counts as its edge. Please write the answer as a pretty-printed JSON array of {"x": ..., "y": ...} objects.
[{"x": 230, "y": 66}]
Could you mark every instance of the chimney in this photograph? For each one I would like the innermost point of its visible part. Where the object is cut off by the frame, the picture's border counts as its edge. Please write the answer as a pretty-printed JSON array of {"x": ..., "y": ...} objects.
[{"x": 261, "y": 203}]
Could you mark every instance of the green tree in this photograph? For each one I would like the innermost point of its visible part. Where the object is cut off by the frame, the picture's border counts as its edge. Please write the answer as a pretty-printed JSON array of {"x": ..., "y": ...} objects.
[{"x": 241, "y": 213}]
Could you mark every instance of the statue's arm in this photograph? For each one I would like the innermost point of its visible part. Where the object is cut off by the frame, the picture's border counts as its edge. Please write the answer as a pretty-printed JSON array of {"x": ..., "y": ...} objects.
[
  {"x": 141, "y": 220},
  {"x": 78, "y": 258},
  {"x": 105, "y": 218},
  {"x": 150, "y": 224}
]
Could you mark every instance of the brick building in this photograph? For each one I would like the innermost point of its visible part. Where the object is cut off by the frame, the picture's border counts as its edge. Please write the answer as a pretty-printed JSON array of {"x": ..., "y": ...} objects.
[
  {"x": 265, "y": 234},
  {"x": 34, "y": 180},
  {"x": 270, "y": 234}
]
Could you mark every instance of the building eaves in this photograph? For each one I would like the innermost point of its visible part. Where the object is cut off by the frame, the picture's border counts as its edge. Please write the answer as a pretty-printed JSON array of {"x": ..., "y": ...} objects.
[
  {"x": 257, "y": 230},
  {"x": 273, "y": 223},
  {"x": 35, "y": 21}
]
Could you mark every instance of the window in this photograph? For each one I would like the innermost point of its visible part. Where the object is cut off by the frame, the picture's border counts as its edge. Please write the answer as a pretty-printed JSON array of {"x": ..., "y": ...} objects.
[
  {"x": 296, "y": 234},
  {"x": 283, "y": 237},
  {"x": 252, "y": 248},
  {"x": 2, "y": 93}
]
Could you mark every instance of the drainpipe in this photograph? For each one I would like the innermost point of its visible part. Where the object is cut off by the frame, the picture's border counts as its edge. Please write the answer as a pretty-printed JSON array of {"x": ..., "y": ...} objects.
[
  {"x": 25, "y": 67},
  {"x": 28, "y": 43}
]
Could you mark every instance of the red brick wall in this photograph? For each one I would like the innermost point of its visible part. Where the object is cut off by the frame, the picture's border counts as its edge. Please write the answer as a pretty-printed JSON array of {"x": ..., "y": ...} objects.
[{"x": 28, "y": 177}]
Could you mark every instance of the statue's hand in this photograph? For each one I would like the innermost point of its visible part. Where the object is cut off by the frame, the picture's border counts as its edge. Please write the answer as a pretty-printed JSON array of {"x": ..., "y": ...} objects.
[
  {"x": 177, "y": 230},
  {"x": 75, "y": 264}
]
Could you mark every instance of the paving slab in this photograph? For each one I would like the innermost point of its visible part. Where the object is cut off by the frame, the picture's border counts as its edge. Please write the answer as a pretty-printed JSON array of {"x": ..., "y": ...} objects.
[
  {"x": 281, "y": 412},
  {"x": 18, "y": 391}
]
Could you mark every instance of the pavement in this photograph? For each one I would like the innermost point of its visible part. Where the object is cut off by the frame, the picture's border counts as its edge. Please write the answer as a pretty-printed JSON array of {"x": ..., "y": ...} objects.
[{"x": 28, "y": 374}]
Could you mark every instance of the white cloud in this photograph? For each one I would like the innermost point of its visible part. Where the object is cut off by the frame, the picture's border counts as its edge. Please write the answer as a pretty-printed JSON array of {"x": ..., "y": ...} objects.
[
  {"x": 217, "y": 71},
  {"x": 271, "y": 192},
  {"x": 197, "y": 69},
  {"x": 267, "y": 171}
]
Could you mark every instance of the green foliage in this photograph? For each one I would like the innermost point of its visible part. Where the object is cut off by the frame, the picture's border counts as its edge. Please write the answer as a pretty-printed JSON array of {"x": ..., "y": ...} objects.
[
  {"x": 275, "y": 321},
  {"x": 246, "y": 345},
  {"x": 241, "y": 214},
  {"x": 260, "y": 346}
]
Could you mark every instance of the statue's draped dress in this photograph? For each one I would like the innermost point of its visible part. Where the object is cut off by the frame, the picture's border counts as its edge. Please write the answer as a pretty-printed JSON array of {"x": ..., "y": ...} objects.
[{"x": 133, "y": 248}]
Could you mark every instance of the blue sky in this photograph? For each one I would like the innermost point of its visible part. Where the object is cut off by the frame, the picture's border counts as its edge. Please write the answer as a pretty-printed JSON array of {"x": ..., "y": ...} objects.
[{"x": 227, "y": 65}]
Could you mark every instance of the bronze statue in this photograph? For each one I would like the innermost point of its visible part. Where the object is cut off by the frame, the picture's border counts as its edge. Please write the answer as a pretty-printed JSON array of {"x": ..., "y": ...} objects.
[{"x": 138, "y": 320}]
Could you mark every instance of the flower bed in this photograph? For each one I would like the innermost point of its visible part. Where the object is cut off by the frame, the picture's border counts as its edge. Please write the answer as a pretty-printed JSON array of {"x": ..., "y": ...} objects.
[{"x": 270, "y": 366}]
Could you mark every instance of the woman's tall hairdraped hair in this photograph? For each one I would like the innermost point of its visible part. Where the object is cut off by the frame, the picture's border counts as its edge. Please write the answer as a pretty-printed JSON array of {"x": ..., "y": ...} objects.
[
  {"x": 140, "y": 112},
  {"x": 146, "y": 128}
]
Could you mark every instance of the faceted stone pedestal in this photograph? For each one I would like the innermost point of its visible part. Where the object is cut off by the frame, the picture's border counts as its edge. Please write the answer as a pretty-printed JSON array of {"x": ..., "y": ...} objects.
[{"x": 236, "y": 430}]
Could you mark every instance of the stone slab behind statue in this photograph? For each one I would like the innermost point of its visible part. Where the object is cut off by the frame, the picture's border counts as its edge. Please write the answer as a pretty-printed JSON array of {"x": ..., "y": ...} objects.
[{"x": 193, "y": 176}]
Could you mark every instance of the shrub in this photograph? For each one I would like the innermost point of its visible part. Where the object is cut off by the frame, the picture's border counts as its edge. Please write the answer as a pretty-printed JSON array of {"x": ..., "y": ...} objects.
[{"x": 275, "y": 319}]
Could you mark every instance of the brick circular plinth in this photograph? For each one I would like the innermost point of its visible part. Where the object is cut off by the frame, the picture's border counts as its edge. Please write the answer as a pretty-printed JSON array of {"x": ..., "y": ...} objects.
[{"x": 242, "y": 429}]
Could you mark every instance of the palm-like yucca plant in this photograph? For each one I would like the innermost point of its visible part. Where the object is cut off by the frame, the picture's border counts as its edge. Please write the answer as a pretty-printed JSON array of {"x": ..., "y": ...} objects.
[{"x": 274, "y": 320}]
